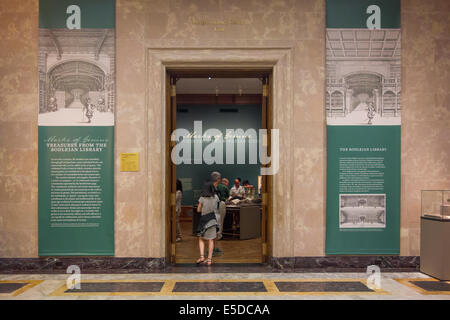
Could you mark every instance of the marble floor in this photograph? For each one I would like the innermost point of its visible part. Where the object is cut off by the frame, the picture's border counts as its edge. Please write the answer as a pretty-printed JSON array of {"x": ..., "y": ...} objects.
[
  {"x": 213, "y": 286},
  {"x": 234, "y": 250}
]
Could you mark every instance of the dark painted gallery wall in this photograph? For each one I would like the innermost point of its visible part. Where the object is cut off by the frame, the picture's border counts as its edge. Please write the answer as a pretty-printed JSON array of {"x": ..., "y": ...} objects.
[{"x": 222, "y": 117}]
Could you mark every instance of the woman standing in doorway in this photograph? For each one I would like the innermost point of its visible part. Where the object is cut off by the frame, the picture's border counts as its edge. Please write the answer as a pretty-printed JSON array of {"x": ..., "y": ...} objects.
[{"x": 207, "y": 227}]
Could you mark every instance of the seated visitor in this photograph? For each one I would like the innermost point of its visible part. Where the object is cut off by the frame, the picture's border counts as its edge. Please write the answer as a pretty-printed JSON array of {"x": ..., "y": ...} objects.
[
  {"x": 237, "y": 191},
  {"x": 249, "y": 189}
]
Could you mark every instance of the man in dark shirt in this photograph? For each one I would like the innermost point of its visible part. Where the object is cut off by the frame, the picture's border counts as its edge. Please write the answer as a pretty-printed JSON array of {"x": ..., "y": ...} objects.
[{"x": 223, "y": 191}]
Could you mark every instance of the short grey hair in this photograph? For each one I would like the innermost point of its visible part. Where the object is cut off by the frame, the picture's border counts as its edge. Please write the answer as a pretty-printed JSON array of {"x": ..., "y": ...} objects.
[{"x": 215, "y": 176}]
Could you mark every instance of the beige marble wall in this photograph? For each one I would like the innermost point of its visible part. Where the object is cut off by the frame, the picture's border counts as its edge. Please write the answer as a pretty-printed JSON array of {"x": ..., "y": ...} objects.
[
  {"x": 294, "y": 25},
  {"x": 426, "y": 111},
  {"x": 18, "y": 128}
]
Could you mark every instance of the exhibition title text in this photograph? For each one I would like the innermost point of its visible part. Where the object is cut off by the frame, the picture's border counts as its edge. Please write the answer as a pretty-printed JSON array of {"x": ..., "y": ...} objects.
[{"x": 79, "y": 144}]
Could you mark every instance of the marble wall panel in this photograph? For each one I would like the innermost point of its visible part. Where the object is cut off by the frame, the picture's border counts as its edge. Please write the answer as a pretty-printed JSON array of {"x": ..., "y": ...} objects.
[
  {"x": 130, "y": 228},
  {"x": 18, "y": 80},
  {"x": 18, "y": 229},
  {"x": 309, "y": 206},
  {"x": 309, "y": 135},
  {"x": 308, "y": 6},
  {"x": 15, "y": 188},
  {"x": 18, "y": 117},
  {"x": 18, "y": 108},
  {"x": 283, "y": 182},
  {"x": 18, "y": 162},
  {"x": 425, "y": 6},
  {"x": 425, "y": 114},
  {"x": 310, "y": 25},
  {"x": 27, "y": 6},
  {"x": 130, "y": 67},
  {"x": 15, "y": 135},
  {"x": 130, "y": 23},
  {"x": 130, "y": 108},
  {"x": 134, "y": 136},
  {"x": 429, "y": 142},
  {"x": 416, "y": 102}
]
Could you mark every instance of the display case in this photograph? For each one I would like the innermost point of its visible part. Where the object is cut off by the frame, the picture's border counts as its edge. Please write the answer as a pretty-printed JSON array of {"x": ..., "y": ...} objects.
[
  {"x": 436, "y": 204},
  {"x": 435, "y": 234}
]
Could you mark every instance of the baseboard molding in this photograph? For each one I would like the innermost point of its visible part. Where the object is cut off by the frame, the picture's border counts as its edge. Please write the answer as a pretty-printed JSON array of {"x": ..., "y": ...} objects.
[
  {"x": 346, "y": 263},
  {"x": 86, "y": 264}
]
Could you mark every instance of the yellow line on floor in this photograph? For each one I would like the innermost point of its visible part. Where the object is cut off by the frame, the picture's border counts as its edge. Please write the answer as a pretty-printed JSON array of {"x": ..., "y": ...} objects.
[
  {"x": 168, "y": 287},
  {"x": 61, "y": 290},
  {"x": 271, "y": 287}
]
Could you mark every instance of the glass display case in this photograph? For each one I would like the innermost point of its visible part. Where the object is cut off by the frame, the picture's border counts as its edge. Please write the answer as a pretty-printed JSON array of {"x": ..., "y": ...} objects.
[{"x": 436, "y": 204}]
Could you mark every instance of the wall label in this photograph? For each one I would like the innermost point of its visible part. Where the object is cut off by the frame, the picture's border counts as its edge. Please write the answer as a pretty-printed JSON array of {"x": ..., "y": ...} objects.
[{"x": 129, "y": 162}]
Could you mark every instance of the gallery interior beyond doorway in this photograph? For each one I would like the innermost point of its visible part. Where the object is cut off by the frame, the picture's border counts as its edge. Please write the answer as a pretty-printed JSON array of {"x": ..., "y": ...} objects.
[{"x": 238, "y": 108}]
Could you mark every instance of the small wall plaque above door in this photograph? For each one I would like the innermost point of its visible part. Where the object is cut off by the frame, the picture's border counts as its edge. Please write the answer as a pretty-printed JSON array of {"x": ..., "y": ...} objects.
[{"x": 129, "y": 162}]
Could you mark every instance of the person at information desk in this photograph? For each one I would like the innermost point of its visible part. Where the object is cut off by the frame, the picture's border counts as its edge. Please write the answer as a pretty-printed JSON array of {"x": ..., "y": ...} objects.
[
  {"x": 223, "y": 191},
  {"x": 237, "y": 191},
  {"x": 249, "y": 189},
  {"x": 246, "y": 186},
  {"x": 225, "y": 182}
]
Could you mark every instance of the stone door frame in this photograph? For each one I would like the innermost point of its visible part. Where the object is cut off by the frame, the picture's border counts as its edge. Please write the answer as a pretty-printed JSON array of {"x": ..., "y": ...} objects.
[{"x": 158, "y": 62}]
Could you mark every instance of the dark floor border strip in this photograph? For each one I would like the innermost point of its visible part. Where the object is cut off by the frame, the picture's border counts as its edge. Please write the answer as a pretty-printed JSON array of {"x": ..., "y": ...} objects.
[
  {"x": 219, "y": 286},
  {"x": 27, "y": 284},
  {"x": 11, "y": 287},
  {"x": 412, "y": 283},
  {"x": 345, "y": 262},
  {"x": 118, "y": 286},
  {"x": 50, "y": 265},
  {"x": 432, "y": 286},
  {"x": 322, "y": 286},
  {"x": 223, "y": 287}
]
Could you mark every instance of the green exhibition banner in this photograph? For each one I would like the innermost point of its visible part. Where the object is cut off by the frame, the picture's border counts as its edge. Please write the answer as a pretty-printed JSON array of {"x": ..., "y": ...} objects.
[
  {"x": 76, "y": 127},
  {"x": 363, "y": 111}
]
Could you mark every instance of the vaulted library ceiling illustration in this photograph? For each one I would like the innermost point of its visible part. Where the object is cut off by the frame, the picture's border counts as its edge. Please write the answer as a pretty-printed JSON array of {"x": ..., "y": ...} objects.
[{"x": 360, "y": 43}]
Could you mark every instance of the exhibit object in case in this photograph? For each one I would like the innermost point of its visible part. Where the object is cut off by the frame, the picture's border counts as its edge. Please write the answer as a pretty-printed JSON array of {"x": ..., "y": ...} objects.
[
  {"x": 435, "y": 234},
  {"x": 436, "y": 203}
]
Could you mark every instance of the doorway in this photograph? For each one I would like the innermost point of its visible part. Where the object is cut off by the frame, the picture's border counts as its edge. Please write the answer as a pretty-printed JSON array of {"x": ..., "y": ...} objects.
[{"x": 221, "y": 99}]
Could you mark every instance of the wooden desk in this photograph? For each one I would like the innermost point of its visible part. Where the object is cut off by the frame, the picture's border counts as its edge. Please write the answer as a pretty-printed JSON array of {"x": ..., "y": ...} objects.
[{"x": 243, "y": 222}]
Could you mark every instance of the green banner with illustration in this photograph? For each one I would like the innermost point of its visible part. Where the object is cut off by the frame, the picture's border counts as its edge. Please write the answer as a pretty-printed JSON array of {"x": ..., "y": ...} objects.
[
  {"x": 363, "y": 111},
  {"x": 76, "y": 127}
]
